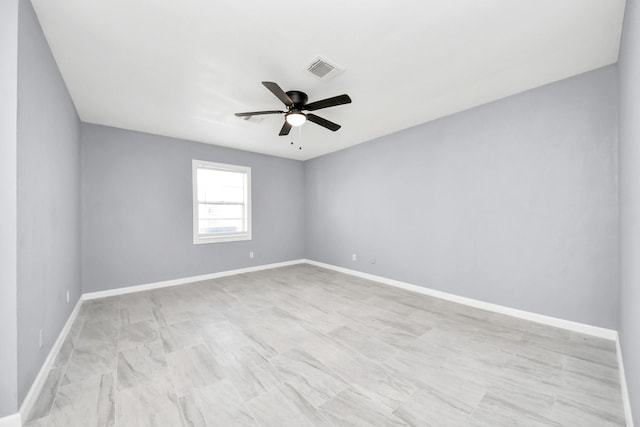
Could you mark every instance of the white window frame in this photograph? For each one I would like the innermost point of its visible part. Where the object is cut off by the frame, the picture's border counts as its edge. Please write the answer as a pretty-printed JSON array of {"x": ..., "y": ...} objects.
[{"x": 223, "y": 236}]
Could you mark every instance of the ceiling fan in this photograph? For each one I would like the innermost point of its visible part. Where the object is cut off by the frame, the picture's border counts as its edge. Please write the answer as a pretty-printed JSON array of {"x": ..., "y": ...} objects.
[{"x": 296, "y": 102}]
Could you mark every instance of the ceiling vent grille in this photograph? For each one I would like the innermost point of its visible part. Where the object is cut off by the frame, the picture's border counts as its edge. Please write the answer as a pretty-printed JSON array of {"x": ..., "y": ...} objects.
[{"x": 323, "y": 69}]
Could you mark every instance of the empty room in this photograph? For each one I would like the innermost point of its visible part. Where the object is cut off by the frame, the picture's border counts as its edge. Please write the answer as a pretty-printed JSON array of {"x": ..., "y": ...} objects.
[{"x": 319, "y": 214}]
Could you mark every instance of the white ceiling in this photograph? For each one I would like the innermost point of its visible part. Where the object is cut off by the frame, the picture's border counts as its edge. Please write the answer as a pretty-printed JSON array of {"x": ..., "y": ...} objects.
[{"x": 182, "y": 68}]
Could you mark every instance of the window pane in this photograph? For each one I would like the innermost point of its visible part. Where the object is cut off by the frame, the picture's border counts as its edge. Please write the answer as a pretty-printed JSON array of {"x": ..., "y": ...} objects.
[
  {"x": 220, "y": 226},
  {"x": 221, "y": 201},
  {"x": 210, "y": 211},
  {"x": 220, "y": 186}
]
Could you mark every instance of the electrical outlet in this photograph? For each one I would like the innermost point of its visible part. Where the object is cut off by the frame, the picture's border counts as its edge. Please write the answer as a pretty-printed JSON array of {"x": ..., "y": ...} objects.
[
  {"x": 40, "y": 344},
  {"x": 353, "y": 257},
  {"x": 68, "y": 299},
  {"x": 251, "y": 254}
]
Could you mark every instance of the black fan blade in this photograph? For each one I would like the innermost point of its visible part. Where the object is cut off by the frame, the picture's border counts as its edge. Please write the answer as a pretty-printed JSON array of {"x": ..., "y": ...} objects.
[
  {"x": 257, "y": 113},
  {"x": 329, "y": 102},
  {"x": 323, "y": 122},
  {"x": 286, "y": 128},
  {"x": 277, "y": 91}
]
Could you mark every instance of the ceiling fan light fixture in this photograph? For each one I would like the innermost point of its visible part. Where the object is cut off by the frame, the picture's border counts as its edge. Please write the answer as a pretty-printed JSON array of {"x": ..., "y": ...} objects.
[
  {"x": 295, "y": 118},
  {"x": 296, "y": 103}
]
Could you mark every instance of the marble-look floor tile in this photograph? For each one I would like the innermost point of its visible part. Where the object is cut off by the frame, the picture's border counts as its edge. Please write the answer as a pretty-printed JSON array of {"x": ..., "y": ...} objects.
[
  {"x": 90, "y": 403},
  {"x": 179, "y": 335},
  {"x": 302, "y": 345},
  {"x": 153, "y": 404},
  {"x": 582, "y": 387},
  {"x": 293, "y": 410},
  {"x": 217, "y": 405},
  {"x": 250, "y": 372},
  {"x": 76, "y": 328},
  {"x": 226, "y": 335},
  {"x": 417, "y": 367},
  {"x": 391, "y": 304},
  {"x": 386, "y": 390},
  {"x": 319, "y": 320},
  {"x": 450, "y": 334},
  {"x": 88, "y": 362},
  {"x": 532, "y": 373},
  {"x": 135, "y": 314},
  {"x": 507, "y": 339},
  {"x": 193, "y": 368},
  {"x": 274, "y": 331},
  {"x": 167, "y": 317},
  {"x": 426, "y": 371},
  {"x": 98, "y": 311},
  {"x": 571, "y": 413},
  {"x": 135, "y": 334},
  {"x": 99, "y": 332},
  {"x": 390, "y": 336},
  {"x": 377, "y": 318},
  {"x": 47, "y": 395},
  {"x": 574, "y": 345},
  {"x": 134, "y": 299},
  {"x": 203, "y": 320},
  {"x": 310, "y": 377},
  {"x": 529, "y": 351},
  {"x": 527, "y": 398},
  {"x": 479, "y": 371},
  {"x": 140, "y": 365},
  {"x": 350, "y": 408},
  {"x": 346, "y": 363},
  {"x": 428, "y": 407},
  {"x": 65, "y": 353},
  {"x": 40, "y": 422},
  {"x": 496, "y": 412},
  {"x": 367, "y": 345},
  {"x": 591, "y": 370}
]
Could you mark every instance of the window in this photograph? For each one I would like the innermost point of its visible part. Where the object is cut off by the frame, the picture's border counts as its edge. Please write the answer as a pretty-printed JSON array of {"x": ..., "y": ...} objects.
[{"x": 221, "y": 202}]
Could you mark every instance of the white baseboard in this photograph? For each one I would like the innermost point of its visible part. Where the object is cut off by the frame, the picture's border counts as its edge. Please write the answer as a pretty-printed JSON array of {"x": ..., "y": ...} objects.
[
  {"x": 623, "y": 385},
  {"x": 527, "y": 315},
  {"x": 38, "y": 383},
  {"x": 11, "y": 421},
  {"x": 185, "y": 280}
]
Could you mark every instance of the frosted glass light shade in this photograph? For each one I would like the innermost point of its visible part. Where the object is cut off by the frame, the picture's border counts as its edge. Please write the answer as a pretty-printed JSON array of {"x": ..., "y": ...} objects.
[{"x": 295, "y": 118}]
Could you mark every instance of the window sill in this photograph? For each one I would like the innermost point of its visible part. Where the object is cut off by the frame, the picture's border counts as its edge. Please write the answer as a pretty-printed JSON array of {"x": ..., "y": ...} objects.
[{"x": 221, "y": 239}]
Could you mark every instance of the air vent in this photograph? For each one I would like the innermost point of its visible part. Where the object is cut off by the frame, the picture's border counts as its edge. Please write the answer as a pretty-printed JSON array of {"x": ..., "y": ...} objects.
[{"x": 323, "y": 69}]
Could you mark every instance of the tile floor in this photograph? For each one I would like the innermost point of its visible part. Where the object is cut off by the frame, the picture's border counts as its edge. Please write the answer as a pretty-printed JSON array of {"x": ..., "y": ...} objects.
[{"x": 301, "y": 345}]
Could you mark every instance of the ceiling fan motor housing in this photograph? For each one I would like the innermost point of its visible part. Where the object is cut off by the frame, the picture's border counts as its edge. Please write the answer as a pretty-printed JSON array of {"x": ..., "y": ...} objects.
[{"x": 298, "y": 98}]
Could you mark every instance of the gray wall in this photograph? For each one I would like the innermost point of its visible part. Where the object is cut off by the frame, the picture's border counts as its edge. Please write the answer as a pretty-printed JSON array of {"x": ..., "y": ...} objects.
[
  {"x": 513, "y": 203},
  {"x": 48, "y": 199},
  {"x": 137, "y": 209},
  {"x": 8, "y": 205},
  {"x": 629, "y": 67}
]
